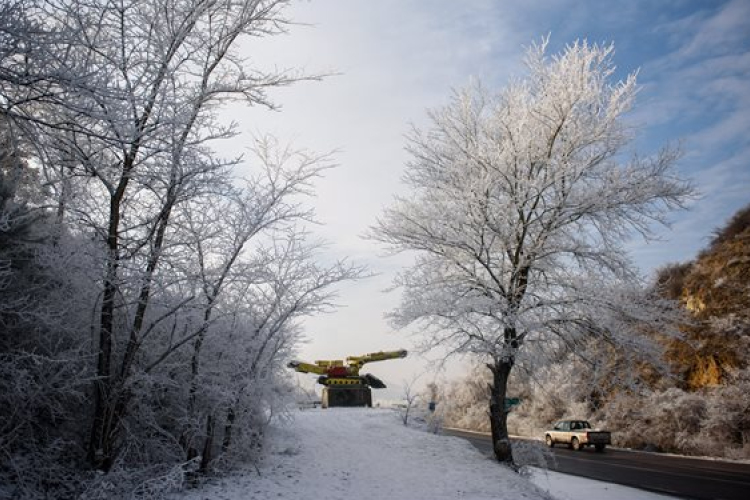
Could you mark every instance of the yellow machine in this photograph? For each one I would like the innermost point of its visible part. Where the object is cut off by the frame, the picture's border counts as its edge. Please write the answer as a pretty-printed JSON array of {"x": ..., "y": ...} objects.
[{"x": 343, "y": 385}]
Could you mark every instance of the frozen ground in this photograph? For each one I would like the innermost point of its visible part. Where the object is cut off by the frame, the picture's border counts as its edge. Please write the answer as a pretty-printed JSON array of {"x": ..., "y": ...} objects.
[
  {"x": 567, "y": 487},
  {"x": 343, "y": 453}
]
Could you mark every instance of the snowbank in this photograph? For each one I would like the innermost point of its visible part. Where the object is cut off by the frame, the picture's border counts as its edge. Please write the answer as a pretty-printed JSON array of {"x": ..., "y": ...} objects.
[{"x": 567, "y": 487}]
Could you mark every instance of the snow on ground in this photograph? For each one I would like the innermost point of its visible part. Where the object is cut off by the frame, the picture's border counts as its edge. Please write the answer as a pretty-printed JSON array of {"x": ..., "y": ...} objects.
[
  {"x": 345, "y": 453},
  {"x": 567, "y": 487}
]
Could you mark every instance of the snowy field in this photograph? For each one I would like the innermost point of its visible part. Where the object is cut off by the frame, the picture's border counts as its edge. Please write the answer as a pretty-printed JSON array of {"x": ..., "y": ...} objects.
[{"x": 343, "y": 453}]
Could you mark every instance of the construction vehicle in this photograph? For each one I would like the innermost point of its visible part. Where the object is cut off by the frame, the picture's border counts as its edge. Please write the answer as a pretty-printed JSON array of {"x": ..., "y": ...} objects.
[{"x": 342, "y": 383}]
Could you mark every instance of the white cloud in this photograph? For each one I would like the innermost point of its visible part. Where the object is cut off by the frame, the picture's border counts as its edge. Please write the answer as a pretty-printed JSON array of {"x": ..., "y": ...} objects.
[{"x": 728, "y": 27}]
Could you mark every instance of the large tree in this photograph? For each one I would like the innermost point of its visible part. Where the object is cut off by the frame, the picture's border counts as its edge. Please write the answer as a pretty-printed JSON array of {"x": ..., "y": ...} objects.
[
  {"x": 121, "y": 99},
  {"x": 521, "y": 202},
  {"x": 153, "y": 295}
]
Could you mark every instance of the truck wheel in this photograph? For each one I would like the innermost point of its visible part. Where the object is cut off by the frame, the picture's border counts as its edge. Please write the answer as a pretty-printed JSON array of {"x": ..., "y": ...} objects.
[
  {"x": 575, "y": 444},
  {"x": 548, "y": 440},
  {"x": 599, "y": 448}
]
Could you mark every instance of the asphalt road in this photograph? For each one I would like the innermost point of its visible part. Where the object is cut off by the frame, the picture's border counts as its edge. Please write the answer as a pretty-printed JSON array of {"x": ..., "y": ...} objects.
[{"x": 678, "y": 476}]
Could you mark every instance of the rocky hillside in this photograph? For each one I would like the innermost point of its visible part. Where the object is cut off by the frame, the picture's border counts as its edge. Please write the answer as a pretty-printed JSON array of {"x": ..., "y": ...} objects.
[{"x": 715, "y": 289}]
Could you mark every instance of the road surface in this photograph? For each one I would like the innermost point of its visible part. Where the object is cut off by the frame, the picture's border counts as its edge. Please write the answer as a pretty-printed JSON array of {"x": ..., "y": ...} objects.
[{"x": 679, "y": 476}]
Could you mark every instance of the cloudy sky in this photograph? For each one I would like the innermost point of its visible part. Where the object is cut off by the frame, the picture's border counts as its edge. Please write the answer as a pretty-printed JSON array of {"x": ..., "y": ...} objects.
[{"x": 394, "y": 59}]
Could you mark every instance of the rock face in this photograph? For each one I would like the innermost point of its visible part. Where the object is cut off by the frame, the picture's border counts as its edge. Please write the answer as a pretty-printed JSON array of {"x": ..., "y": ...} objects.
[{"x": 715, "y": 288}]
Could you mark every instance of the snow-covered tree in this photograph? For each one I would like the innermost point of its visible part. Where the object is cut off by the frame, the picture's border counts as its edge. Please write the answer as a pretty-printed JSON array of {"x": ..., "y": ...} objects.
[
  {"x": 521, "y": 202},
  {"x": 199, "y": 277},
  {"x": 124, "y": 98},
  {"x": 251, "y": 260}
]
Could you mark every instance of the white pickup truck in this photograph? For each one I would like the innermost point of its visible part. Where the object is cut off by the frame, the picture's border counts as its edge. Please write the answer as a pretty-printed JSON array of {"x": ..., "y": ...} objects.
[{"x": 577, "y": 434}]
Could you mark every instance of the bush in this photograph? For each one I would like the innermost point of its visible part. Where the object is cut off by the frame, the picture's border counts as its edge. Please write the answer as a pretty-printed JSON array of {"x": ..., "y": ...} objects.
[{"x": 712, "y": 422}]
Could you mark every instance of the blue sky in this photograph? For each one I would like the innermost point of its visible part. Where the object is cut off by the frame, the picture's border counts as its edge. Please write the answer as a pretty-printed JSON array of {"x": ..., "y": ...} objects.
[{"x": 396, "y": 58}]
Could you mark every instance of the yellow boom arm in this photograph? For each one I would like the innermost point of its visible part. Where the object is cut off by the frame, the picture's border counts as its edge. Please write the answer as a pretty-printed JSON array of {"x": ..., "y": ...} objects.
[
  {"x": 323, "y": 367},
  {"x": 356, "y": 362},
  {"x": 303, "y": 367}
]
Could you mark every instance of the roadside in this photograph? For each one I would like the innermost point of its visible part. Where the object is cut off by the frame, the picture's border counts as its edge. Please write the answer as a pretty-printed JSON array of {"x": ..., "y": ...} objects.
[
  {"x": 666, "y": 475},
  {"x": 569, "y": 487},
  {"x": 627, "y": 450}
]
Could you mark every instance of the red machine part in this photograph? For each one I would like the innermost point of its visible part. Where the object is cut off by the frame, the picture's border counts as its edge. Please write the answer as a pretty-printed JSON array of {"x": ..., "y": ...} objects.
[{"x": 338, "y": 371}]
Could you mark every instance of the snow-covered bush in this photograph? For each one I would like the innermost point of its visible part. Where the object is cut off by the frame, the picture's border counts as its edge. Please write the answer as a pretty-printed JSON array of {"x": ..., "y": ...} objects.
[
  {"x": 714, "y": 421},
  {"x": 726, "y": 430},
  {"x": 45, "y": 369},
  {"x": 463, "y": 403},
  {"x": 535, "y": 414},
  {"x": 661, "y": 421},
  {"x": 137, "y": 483}
]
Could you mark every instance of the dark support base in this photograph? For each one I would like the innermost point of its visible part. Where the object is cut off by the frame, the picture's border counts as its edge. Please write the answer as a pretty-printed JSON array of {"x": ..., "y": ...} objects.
[{"x": 347, "y": 395}]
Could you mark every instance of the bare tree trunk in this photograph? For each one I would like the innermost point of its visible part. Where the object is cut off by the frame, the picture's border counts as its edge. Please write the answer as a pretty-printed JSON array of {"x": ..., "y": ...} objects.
[
  {"x": 208, "y": 445},
  {"x": 189, "y": 441},
  {"x": 231, "y": 416},
  {"x": 498, "y": 417},
  {"x": 102, "y": 430},
  {"x": 144, "y": 297}
]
